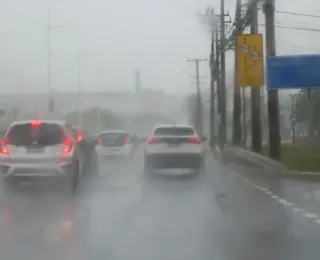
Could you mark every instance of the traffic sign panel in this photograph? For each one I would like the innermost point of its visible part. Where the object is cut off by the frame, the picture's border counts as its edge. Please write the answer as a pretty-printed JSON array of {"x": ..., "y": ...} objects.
[
  {"x": 293, "y": 72},
  {"x": 250, "y": 60}
]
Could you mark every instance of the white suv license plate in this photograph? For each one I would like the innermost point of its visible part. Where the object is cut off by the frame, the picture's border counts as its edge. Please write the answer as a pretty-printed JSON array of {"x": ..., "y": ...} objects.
[
  {"x": 112, "y": 150},
  {"x": 173, "y": 145}
]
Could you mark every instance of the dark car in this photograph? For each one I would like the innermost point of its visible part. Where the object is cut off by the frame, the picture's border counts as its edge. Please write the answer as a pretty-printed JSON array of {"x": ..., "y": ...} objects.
[
  {"x": 2, "y": 132},
  {"x": 88, "y": 150}
]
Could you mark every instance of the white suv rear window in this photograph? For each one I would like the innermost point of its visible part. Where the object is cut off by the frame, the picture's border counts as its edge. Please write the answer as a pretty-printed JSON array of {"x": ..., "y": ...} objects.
[{"x": 174, "y": 131}]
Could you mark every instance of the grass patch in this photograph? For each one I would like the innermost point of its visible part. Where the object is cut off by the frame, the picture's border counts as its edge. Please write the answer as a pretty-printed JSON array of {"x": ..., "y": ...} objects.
[{"x": 299, "y": 158}]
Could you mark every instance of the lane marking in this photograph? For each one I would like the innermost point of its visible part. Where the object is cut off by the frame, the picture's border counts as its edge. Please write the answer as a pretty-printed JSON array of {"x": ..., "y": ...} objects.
[
  {"x": 295, "y": 208},
  {"x": 310, "y": 215},
  {"x": 285, "y": 202}
]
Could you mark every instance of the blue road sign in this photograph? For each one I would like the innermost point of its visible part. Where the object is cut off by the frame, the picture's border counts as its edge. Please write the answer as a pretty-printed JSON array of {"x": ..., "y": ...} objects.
[{"x": 293, "y": 72}]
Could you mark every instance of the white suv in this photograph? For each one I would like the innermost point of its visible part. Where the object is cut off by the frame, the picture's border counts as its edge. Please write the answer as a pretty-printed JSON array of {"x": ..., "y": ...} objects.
[{"x": 173, "y": 146}]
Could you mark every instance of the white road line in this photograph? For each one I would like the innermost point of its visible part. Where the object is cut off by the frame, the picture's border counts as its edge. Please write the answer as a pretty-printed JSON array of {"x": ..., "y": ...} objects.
[
  {"x": 310, "y": 215},
  {"x": 285, "y": 202},
  {"x": 282, "y": 201}
]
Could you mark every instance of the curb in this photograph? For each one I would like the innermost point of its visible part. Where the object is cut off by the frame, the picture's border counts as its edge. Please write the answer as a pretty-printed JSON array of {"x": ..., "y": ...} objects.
[
  {"x": 303, "y": 176},
  {"x": 217, "y": 154},
  {"x": 283, "y": 172},
  {"x": 255, "y": 159}
]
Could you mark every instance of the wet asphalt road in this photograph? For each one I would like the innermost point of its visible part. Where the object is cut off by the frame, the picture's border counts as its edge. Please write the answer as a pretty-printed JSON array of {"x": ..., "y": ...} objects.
[{"x": 120, "y": 215}]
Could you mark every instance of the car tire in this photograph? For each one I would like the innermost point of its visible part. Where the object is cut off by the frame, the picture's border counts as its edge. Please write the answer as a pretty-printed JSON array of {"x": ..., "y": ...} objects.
[
  {"x": 71, "y": 181},
  {"x": 9, "y": 185},
  {"x": 147, "y": 167},
  {"x": 94, "y": 165},
  {"x": 75, "y": 176},
  {"x": 201, "y": 168}
]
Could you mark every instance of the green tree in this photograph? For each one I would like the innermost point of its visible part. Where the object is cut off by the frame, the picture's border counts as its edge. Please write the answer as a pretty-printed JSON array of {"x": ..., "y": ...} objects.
[{"x": 302, "y": 107}]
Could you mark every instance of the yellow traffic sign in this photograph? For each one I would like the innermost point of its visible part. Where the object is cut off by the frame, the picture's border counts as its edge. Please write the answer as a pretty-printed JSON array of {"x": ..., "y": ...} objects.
[{"x": 250, "y": 60}]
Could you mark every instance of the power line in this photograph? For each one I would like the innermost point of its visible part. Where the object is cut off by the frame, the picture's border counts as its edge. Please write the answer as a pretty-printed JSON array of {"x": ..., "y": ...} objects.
[
  {"x": 298, "y": 14},
  {"x": 295, "y": 28}
]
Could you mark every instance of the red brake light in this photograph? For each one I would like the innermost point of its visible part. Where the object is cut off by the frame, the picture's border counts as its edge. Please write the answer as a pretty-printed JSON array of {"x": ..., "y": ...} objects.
[
  {"x": 79, "y": 138},
  {"x": 99, "y": 141},
  {"x": 152, "y": 140},
  {"x": 67, "y": 145},
  {"x": 3, "y": 147},
  {"x": 35, "y": 123},
  {"x": 126, "y": 140},
  {"x": 194, "y": 140}
]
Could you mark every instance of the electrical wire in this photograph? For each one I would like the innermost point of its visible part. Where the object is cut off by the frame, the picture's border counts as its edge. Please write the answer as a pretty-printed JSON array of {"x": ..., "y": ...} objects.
[
  {"x": 298, "y": 14},
  {"x": 295, "y": 28}
]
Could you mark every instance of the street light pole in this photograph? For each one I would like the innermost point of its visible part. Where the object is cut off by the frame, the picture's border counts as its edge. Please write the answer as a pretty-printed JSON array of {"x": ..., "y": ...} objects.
[
  {"x": 51, "y": 105},
  {"x": 79, "y": 62},
  {"x": 49, "y": 49},
  {"x": 79, "y": 88},
  {"x": 50, "y": 98}
]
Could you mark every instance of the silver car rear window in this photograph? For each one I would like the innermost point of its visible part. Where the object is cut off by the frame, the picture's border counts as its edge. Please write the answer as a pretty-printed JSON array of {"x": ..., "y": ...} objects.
[{"x": 45, "y": 134}]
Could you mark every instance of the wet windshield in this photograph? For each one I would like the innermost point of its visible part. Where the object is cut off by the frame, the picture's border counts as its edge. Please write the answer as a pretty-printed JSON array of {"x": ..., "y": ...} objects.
[{"x": 160, "y": 130}]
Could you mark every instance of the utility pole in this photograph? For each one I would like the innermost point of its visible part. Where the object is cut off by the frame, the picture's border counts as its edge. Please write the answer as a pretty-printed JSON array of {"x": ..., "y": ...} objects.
[
  {"x": 244, "y": 117},
  {"x": 236, "y": 130},
  {"x": 223, "y": 123},
  {"x": 256, "y": 129},
  {"x": 214, "y": 67},
  {"x": 218, "y": 74},
  {"x": 223, "y": 96},
  {"x": 198, "y": 114},
  {"x": 273, "y": 98},
  {"x": 212, "y": 79}
]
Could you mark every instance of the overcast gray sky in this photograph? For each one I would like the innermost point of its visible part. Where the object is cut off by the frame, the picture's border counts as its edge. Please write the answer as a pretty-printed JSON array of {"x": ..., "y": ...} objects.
[{"x": 119, "y": 36}]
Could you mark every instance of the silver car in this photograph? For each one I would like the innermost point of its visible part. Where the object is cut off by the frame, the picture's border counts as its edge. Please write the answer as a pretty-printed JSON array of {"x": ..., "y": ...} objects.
[{"x": 40, "y": 149}]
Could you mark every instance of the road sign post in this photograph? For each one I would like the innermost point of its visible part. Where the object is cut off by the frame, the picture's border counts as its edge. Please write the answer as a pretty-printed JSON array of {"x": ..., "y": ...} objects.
[{"x": 250, "y": 60}]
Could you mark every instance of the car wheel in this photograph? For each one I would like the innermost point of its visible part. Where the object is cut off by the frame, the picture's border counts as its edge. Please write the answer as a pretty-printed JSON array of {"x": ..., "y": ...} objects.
[
  {"x": 75, "y": 176},
  {"x": 94, "y": 165},
  {"x": 71, "y": 181},
  {"x": 201, "y": 168},
  {"x": 148, "y": 168},
  {"x": 9, "y": 184}
]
